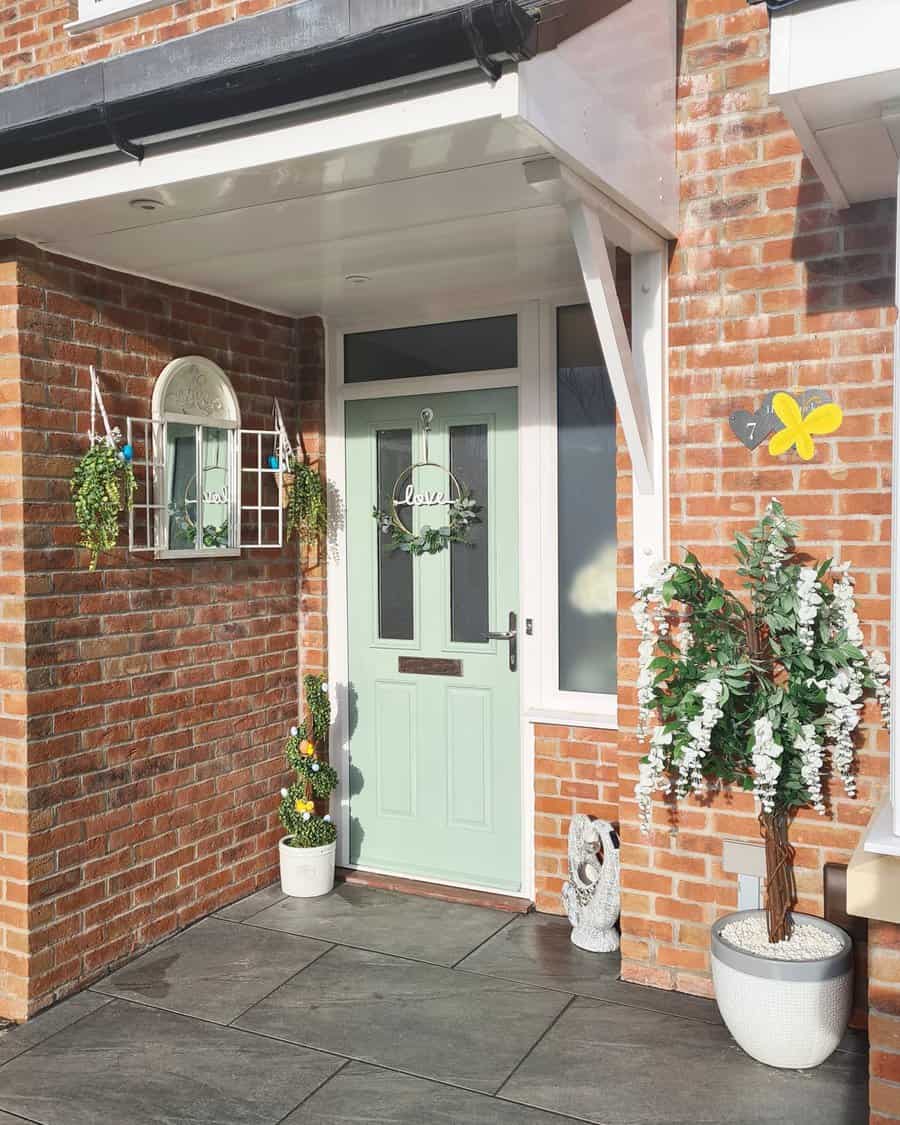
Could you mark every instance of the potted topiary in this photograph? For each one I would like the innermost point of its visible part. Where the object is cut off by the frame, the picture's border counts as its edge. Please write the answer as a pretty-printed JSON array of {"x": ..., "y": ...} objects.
[
  {"x": 754, "y": 695},
  {"x": 306, "y": 853}
]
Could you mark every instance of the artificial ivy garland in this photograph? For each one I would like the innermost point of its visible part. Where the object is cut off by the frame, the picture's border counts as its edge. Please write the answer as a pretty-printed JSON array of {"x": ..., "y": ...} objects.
[
  {"x": 462, "y": 513},
  {"x": 102, "y": 485},
  {"x": 306, "y": 508}
]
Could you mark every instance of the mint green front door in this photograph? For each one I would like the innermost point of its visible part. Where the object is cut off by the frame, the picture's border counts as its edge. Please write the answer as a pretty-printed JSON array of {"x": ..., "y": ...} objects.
[{"x": 435, "y": 786}]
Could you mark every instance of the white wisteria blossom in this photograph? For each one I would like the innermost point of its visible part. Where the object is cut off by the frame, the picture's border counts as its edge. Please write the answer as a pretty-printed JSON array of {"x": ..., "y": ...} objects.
[
  {"x": 881, "y": 674},
  {"x": 777, "y": 545},
  {"x": 843, "y": 611},
  {"x": 684, "y": 638},
  {"x": 649, "y": 616},
  {"x": 643, "y": 792},
  {"x": 766, "y": 763},
  {"x": 812, "y": 760},
  {"x": 809, "y": 599},
  {"x": 700, "y": 729},
  {"x": 843, "y": 694}
]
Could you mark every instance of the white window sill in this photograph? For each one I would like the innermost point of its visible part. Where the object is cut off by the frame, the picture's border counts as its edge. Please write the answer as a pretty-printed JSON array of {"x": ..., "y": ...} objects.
[
  {"x": 572, "y": 719},
  {"x": 880, "y": 838},
  {"x": 111, "y": 15}
]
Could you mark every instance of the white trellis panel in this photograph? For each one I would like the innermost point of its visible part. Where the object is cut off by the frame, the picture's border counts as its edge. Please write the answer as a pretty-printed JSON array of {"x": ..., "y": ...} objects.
[
  {"x": 262, "y": 516},
  {"x": 146, "y": 520}
]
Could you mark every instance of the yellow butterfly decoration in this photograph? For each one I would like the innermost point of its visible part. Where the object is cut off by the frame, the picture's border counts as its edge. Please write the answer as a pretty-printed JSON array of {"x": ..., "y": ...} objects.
[{"x": 798, "y": 430}]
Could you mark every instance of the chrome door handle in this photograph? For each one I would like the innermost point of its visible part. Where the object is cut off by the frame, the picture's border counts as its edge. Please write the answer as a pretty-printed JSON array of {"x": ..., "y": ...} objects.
[{"x": 512, "y": 636}]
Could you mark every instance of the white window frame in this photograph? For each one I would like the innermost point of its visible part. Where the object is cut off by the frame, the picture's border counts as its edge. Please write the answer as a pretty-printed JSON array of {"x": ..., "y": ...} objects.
[
  {"x": 598, "y": 709},
  {"x": 95, "y": 13}
]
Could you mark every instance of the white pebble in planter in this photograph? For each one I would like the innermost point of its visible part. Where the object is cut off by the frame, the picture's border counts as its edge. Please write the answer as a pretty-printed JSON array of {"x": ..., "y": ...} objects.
[{"x": 789, "y": 1007}]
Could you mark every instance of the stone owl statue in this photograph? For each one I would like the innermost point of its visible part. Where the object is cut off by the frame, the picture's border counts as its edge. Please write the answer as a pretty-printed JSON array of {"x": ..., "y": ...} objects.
[{"x": 591, "y": 894}]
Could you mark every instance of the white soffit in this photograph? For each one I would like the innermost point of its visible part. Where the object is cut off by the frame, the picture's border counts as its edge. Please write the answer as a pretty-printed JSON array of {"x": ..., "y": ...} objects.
[
  {"x": 835, "y": 67},
  {"x": 420, "y": 189}
]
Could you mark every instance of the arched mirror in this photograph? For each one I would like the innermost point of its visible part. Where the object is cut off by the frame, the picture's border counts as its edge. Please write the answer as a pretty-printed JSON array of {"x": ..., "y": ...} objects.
[{"x": 200, "y": 419}]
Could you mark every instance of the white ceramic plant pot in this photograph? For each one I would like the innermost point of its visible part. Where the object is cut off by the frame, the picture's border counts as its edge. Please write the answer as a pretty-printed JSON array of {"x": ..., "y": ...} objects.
[
  {"x": 789, "y": 1014},
  {"x": 306, "y": 872}
]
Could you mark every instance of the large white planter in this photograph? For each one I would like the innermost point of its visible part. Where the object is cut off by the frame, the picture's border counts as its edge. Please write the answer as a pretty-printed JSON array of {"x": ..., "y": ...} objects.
[
  {"x": 790, "y": 1014},
  {"x": 306, "y": 872}
]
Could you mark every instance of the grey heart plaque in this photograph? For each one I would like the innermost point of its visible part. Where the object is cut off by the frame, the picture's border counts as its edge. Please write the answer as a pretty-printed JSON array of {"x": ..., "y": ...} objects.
[{"x": 752, "y": 429}]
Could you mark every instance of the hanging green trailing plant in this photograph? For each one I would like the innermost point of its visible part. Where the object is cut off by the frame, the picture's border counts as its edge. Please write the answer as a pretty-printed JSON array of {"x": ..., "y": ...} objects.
[
  {"x": 306, "y": 508},
  {"x": 102, "y": 485}
]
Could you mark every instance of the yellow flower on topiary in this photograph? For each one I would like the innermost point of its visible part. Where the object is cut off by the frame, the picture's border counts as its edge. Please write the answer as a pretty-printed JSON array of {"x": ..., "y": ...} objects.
[
  {"x": 307, "y": 748},
  {"x": 302, "y": 806}
]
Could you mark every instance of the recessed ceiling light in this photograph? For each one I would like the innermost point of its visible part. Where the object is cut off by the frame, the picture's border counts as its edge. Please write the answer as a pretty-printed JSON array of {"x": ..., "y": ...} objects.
[
  {"x": 357, "y": 278},
  {"x": 146, "y": 204}
]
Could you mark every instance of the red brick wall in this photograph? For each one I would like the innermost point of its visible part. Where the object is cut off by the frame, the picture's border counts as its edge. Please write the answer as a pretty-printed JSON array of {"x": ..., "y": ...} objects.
[
  {"x": 34, "y": 42},
  {"x": 13, "y": 777},
  {"x": 770, "y": 289},
  {"x": 884, "y": 1022},
  {"x": 159, "y": 692}
]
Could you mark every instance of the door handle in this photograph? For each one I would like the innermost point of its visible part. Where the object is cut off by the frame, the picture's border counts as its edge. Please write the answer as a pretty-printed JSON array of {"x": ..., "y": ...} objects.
[{"x": 513, "y": 637}]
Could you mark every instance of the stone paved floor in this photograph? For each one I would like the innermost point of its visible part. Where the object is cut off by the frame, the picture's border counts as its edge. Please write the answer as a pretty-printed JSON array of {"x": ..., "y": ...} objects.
[{"x": 368, "y": 1006}]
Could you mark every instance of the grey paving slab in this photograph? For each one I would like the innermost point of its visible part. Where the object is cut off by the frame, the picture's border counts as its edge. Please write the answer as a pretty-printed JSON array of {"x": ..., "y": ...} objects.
[
  {"x": 246, "y": 907},
  {"x": 387, "y": 922},
  {"x": 427, "y": 1020},
  {"x": 214, "y": 970},
  {"x": 362, "y": 1093},
  {"x": 15, "y": 1040},
  {"x": 143, "y": 1066},
  {"x": 536, "y": 949},
  {"x": 8, "y": 1119},
  {"x": 628, "y": 1066}
]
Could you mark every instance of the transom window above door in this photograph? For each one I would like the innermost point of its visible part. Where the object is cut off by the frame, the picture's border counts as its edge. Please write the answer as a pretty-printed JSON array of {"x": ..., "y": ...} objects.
[{"x": 456, "y": 347}]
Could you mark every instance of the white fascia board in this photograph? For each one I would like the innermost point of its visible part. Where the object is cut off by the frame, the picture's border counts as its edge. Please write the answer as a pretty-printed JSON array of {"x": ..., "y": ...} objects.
[
  {"x": 819, "y": 43},
  {"x": 809, "y": 142},
  {"x": 381, "y": 119},
  {"x": 603, "y": 102}
]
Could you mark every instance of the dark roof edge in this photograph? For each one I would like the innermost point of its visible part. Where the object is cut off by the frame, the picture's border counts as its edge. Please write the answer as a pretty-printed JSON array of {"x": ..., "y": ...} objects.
[
  {"x": 280, "y": 58},
  {"x": 775, "y": 5}
]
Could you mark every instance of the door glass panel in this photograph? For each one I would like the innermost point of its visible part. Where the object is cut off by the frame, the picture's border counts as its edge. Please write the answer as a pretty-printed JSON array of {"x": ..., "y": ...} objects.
[
  {"x": 215, "y": 487},
  {"x": 586, "y": 419},
  {"x": 181, "y": 485},
  {"x": 395, "y": 568},
  {"x": 469, "y": 609},
  {"x": 487, "y": 344}
]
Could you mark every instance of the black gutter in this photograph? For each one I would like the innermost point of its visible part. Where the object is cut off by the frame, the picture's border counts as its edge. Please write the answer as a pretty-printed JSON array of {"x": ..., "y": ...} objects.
[
  {"x": 256, "y": 65},
  {"x": 775, "y": 5}
]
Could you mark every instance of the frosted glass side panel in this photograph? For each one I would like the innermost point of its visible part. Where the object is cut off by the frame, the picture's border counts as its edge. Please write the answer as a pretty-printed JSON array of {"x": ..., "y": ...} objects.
[
  {"x": 469, "y": 598},
  {"x": 395, "y": 568},
  {"x": 586, "y": 418}
]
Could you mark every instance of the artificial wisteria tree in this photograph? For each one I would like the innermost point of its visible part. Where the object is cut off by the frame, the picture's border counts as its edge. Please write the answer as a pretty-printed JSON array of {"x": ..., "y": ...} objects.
[{"x": 754, "y": 693}]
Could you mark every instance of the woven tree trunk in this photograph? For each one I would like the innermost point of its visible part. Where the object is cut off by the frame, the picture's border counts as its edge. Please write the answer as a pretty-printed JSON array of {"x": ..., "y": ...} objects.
[{"x": 781, "y": 887}]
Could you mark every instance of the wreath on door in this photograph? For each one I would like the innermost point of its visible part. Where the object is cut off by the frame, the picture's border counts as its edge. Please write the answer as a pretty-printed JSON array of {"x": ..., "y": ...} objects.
[{"x": 462, "y": 510}]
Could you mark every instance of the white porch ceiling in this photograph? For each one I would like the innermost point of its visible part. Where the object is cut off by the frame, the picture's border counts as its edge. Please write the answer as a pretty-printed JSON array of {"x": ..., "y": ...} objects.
[{"x": 431, "y": 218}]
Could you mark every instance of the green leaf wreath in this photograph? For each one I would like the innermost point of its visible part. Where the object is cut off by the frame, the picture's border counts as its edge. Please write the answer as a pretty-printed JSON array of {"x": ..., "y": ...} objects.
[
  {"x": 462, "y": 513},
  {"x": 758, "y": 692},
  {"x": 314, "y": 779},
  {"x": 102, "y": 486}
]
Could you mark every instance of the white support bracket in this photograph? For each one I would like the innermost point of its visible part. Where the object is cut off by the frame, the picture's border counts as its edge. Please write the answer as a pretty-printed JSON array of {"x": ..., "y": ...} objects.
[{"x": 636, "y": 371}]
